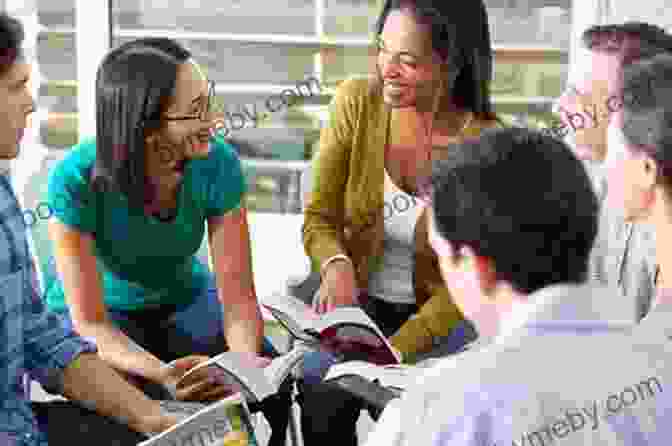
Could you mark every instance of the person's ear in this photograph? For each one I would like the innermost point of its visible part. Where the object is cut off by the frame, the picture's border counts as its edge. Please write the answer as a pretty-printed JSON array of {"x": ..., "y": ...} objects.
[
  {"x": 644, "y": 171},
  {"x": 482, "y": 267},
  {"x": 651, "y": 174}
]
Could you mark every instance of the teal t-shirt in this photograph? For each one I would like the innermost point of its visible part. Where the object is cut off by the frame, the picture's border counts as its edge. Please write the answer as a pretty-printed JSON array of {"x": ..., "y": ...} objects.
[{"x": 144, "y": 262}]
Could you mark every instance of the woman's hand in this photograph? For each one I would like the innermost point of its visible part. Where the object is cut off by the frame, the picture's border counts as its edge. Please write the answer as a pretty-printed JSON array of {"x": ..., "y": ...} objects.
[
  {"x": 205, "y": 384},
  {"x": 198, "y": 386},
  {"x": 339, "y": 287},
  {"x": 155, "y": 423}
]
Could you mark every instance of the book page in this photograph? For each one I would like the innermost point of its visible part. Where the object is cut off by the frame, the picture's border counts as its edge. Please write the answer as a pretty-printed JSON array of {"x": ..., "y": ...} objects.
[
  {"x": 353, "y": 325},
  {"x": 224, "y": 423},
  {"x": 398, "y": 376},
  {"x": 278, "y": 370},
  {"x": 232, "y": 369},
  {"x": 295, "y": 315},
  {"x": 346, "y": 315},
  {"x": 298, "y": 317},
  {"x": 301, "y": 313},
  {"x": 181, "y": 409}
]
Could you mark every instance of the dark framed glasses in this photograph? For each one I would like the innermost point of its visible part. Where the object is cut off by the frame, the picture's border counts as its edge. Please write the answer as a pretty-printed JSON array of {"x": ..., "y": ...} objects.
[{"x": 203, "y": 114}]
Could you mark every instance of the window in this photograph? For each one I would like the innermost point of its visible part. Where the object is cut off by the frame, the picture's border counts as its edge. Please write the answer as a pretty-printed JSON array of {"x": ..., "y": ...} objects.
[
  {"x": 257, "y": 48},
  {"x": 57, "y": 61},
  {"x": 50, "y": 41},
  {"x": 532, "y": 38}
]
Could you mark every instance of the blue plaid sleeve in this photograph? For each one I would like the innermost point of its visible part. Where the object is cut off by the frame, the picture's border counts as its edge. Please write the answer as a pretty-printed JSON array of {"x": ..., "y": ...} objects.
[
  {"x": 46, "y": 344},
  {"x": 49, "y": 345}
]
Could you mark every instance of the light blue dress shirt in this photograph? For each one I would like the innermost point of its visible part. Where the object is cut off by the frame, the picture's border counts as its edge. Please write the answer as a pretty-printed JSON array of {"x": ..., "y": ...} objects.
[{"x": 569, "y": 371}]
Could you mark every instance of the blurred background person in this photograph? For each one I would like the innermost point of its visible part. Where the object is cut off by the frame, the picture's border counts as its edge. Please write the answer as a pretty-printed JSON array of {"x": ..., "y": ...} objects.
[
  {"x": 638, "y": 169},
  {"x": 624, "y": 253}
]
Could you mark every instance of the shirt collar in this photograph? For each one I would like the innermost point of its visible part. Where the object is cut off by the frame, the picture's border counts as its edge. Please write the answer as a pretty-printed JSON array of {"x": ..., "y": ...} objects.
[
  {"x": 658, "y": 318},
  {"x": 518, "y": 317},
  {"x": 569, "y": 308}
]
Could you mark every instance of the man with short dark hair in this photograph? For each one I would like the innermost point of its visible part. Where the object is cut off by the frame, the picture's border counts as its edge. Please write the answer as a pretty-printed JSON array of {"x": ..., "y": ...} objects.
[
  {"x": 35, "y": 341},
  {"x": 624, "y": 254},
  {"x": 513, "y": 220}
]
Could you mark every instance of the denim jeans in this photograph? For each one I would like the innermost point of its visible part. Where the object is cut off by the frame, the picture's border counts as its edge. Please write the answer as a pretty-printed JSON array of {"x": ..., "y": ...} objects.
[{"x": 173, "y": 331}]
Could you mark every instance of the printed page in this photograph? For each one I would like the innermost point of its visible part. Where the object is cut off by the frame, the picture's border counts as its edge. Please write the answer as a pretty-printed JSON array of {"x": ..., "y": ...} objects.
[
  {"x": 278, "y": 370},
  {"x": 295, "y": 315},
  {"x": 344, "y": 315},
  {"x": 232, "y": 369},
  {"x": 353, "y": 325},
  {"x": 398, "y": 376},
  {"x": 181, "y": 409},
  {"x": 298, "y": 317},
  {"x": 225, "y": 423}
]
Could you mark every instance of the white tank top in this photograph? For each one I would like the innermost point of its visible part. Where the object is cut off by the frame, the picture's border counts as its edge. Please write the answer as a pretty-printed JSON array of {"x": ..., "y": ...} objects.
[{"x": 393, "y": 281}]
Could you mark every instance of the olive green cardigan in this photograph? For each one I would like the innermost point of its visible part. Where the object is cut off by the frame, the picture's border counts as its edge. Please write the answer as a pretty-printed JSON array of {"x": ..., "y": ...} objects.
[{"x": 344, "y": 214}]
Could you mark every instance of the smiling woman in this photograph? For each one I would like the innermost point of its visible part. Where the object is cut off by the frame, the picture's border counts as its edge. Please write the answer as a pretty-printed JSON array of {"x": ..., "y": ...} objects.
[
  {"x": 129, "y": 222},
  {"x": 227, "y": 122}
]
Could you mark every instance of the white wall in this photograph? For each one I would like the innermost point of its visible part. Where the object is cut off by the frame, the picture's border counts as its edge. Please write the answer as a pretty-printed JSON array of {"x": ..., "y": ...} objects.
[
  {"x": 585, "y": 13},
  {"x": 657, "y": 12}
]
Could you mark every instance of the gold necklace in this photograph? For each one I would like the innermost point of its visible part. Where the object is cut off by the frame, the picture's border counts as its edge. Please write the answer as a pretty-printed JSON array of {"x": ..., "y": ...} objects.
[{"x": 422, "y": 181}]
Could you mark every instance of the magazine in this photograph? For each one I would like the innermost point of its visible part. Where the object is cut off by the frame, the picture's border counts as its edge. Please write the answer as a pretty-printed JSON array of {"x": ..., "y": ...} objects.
[
  {"x": 224, "y": 423},
  {"x": 396, "y": 376},
  {"x": 373, "y": 394},
  {"x": 375, "y": 384},
  {"x": 347, "y": 331},
  {"x": 230, "y": 369},
  {"x": 181, "y": 409}
]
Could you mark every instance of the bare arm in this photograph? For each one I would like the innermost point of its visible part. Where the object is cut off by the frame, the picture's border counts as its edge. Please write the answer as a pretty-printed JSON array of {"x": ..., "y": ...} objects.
[
  {"x": 90, "y": 381},
  {"x": 232, "y": 260},
  {"x": 76, "y": 265}
]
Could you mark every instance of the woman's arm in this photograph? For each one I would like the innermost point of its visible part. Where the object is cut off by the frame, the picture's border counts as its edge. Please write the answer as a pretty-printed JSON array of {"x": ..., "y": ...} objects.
[
  {"x": 232, "y": 260},
  {"x": 324, "y": 213},
  {"x": 76, "y": 265},
  {"x": 436, "y": 318},
  {"x": 92, "y": 383}
]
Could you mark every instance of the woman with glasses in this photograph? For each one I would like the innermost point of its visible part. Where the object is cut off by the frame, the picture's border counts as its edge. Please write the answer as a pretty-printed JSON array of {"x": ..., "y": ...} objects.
[
  {"x": 365, "y": 227},
  {"x": 131, "y": 207}
]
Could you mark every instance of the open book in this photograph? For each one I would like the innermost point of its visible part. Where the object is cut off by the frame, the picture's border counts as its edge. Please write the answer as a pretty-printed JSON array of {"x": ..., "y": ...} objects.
[
  {"x": 348, "y": 331},
  {"x": 397, "y": 376},
  {"x": 377, "y": 385},
  {"x": 224, "y": 423},
  {"x": 231, "y": 369}
]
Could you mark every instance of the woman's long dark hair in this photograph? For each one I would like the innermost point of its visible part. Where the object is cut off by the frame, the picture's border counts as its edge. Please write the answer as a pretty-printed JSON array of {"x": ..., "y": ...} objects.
[
  {"x": 461, "y": 36},
  {"x": 133, "y": 84}
]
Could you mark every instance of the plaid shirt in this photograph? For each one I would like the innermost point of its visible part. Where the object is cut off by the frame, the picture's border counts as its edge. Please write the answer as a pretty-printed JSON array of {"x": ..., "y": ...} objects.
[{"x": 34, "y": 340}]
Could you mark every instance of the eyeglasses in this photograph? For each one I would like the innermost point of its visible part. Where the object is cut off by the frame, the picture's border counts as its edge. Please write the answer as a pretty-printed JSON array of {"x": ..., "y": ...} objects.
[{"x": 203, "y": 114}]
